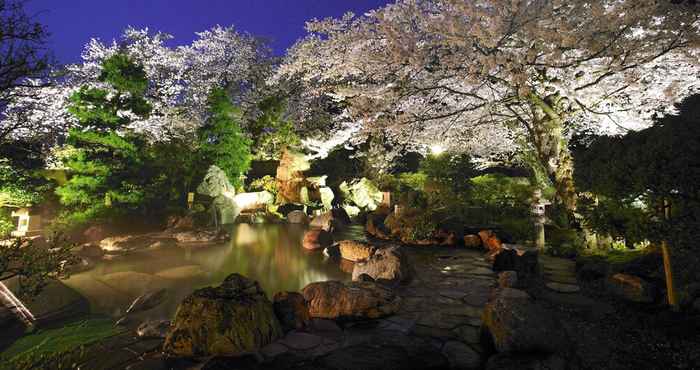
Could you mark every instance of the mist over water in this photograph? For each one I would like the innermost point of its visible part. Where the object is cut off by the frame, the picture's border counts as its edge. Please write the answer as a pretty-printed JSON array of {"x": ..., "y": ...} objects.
[{"x": 270, "y": 254}]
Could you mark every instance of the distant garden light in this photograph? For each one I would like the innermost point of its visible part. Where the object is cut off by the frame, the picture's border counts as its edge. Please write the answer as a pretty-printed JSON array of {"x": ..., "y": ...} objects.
[{"x": 437, "y": 149}]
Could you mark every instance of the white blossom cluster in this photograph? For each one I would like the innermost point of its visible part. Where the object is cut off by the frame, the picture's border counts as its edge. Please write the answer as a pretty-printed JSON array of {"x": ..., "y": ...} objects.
[
  {"x": 497, "y": 77},
  {"x": 180, "y": 79}
]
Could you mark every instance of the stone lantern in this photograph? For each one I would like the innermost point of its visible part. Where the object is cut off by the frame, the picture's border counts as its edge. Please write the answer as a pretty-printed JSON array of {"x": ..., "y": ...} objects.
[
  {"x": 28, "y": 224},
  {"x": 538, "y": 210}
]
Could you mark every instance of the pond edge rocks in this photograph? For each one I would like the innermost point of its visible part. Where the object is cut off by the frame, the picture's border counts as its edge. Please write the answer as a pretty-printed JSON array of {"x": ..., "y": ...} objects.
[{"x": 231, "y": 319}]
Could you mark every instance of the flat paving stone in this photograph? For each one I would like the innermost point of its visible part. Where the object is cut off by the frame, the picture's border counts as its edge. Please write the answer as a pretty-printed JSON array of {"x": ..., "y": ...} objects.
[
  {"x": 273, "y": 350},
  {"x": 464, "y": 310},
  {"x": 481, "y": 271},
  {"x": 432, "y": 332},
  {"x": 563, "y": 288},
  {"x": 461, "y": 356},
  {"x": 453, "y": 293},
  {"x": 301, "y": 341},
  {"x": 563, "y": 279},
  {"x": 469, "y": 334}
]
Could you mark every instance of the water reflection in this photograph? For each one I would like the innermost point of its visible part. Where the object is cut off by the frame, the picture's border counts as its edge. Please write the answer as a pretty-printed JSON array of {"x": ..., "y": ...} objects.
[{"x": 270, "y": 254}]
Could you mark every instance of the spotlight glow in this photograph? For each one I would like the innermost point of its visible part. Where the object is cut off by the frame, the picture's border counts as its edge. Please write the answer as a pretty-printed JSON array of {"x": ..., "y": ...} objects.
[{"x": 437, "y": 149}]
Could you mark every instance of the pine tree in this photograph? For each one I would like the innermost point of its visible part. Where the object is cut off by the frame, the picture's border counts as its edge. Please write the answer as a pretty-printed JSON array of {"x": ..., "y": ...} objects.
[
  {"x": 222, "y": 142},
  {"x": 104, "y": 166}
]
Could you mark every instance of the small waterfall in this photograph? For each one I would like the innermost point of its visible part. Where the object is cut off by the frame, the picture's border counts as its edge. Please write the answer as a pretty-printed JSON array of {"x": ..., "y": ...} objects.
[{"x": 11, "y": 302}]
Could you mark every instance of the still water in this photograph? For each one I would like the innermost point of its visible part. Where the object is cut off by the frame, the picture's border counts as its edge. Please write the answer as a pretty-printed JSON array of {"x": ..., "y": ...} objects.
[{"x": 270, "y": 254}]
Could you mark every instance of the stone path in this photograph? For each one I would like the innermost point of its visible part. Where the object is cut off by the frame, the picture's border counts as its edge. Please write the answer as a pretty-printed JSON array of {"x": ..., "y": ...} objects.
[
  {"x": 441, "y": 310},
  {"x": 562, "y": 288},
  {"x": 559, "y": 274}
]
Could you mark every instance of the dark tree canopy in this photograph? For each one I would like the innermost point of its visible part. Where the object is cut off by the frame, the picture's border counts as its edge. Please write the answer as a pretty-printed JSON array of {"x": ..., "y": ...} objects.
[
  {"x": 22, "y": 47},
  {"x": 635, "y": 173}
]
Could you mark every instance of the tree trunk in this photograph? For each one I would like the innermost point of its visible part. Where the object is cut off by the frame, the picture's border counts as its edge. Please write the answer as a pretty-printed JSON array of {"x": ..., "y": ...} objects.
[
  {"x": 668, "y": 267},
  {"x": 547, "y": 135}
]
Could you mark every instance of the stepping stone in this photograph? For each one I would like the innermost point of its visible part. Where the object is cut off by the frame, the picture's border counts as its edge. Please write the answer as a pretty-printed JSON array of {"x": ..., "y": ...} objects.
[
  {"x": 301, "y": 341},
  {"x": 453, "y": 293},
  {"x": 461, "y": 356},
  {"x": 563, "y": 288},
  {"x": 564, "y": 279},
  {"x": 464, "y": 310},
  {"x": 481, "y": 271},
  {"x": 469, "y": 334},
  {"x": 273, "y": 350},
  {"x": 432, "y": 332}
]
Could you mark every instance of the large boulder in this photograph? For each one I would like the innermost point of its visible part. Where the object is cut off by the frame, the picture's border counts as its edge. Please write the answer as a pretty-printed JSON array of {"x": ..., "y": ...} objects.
[
  {"x": 291, "y": 310},
  {"x": 297, "y": 217},
  {"x": 231, "y": 319},
  {"x": 516, "y": 323},
  {"x": 216, "y": 185},
  {"x": 472, "y": 241},
  {"x": 350, "y": 300},
  {"x": 363, "y": 193},
  {"x": 353, "y": 250},
  {"x": 290, "y": 178},
  {"x": 389, "y": 264},
  {"x": 327, "y": 197},
  {"x": 516, "y": 258},
  {"x": 490, "y": 241},
  {"x": 375, "y": 226},
  {"x": 317, "y": 239},
  {"x": 331, "y": 220},
  {"x": 631, "y": 288}
]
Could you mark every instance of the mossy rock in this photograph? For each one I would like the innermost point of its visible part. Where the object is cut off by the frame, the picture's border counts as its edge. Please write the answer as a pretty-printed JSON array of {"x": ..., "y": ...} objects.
[{"x": 231, "y": 319}]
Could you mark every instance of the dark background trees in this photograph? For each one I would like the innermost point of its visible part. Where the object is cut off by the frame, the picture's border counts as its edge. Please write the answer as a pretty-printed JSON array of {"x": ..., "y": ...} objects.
[{"x": 23, "y": 56}]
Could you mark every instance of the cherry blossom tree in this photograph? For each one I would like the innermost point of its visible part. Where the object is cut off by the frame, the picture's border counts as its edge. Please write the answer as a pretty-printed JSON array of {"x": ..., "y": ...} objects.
[
  {"x": 24, "y": 58},
  {"x": 498, "y": 77},
  {"x": 181, "y": 78}
]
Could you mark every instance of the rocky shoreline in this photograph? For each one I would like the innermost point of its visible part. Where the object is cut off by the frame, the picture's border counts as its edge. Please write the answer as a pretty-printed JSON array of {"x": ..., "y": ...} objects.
[{"x": 480, "y": 305}]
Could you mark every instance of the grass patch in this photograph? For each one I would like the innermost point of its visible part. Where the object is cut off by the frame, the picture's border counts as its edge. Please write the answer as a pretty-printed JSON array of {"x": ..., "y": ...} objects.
[{"x": 57, "y": 348}]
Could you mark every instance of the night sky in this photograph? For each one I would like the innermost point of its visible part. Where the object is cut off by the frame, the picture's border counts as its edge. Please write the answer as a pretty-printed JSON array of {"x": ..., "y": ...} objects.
[{"x": 73, "y": 22}]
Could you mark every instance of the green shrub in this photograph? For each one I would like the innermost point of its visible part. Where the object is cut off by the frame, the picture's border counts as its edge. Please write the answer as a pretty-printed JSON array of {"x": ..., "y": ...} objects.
[
  {"x": 6, "y": 223},
  {"x": 265, "y": 183}
]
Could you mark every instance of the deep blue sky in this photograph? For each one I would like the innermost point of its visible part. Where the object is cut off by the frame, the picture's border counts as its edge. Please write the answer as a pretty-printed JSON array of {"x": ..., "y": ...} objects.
[{"x": 73, "y": 22}]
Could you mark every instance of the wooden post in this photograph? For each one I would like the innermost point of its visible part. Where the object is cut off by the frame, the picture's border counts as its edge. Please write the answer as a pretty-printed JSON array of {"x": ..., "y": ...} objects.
[{"x": 668, "y": 268}]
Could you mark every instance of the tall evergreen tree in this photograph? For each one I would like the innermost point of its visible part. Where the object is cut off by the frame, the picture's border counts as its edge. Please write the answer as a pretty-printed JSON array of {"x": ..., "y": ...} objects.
[
  {"x": 222, "y": 142},
  {"x": 105, "y": 163}
]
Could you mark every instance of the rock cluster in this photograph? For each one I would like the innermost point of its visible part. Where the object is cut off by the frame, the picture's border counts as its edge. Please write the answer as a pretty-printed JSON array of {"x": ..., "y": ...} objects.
[
  {"x": 386, "y": 264},
  {"x": 631, "y": 288},
  {"x": 317, "y": 239},
  {"x": 231, "y": 319},
  {"x": 291, "y": 310},
  {"x": 350, "y": 301},
  {"x": 515, "y": 323},
  {"x": 352, "y": 250}
]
